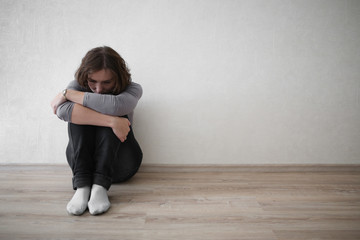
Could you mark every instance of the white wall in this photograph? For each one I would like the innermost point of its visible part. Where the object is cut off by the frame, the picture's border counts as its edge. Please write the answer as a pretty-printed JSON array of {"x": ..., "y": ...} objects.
[{"x": 225, "y": 82}]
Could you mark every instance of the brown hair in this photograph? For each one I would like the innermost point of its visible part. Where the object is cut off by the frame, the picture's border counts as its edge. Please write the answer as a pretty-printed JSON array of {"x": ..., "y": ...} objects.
[{"x": 104, "y": 58}]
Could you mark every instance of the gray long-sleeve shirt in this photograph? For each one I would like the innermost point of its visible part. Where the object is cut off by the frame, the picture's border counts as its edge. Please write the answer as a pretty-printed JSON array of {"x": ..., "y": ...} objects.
[{"x": 115, "y": 105}]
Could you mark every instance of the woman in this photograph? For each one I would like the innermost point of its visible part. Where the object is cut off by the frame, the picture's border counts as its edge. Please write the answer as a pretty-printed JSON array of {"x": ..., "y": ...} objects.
[{"x": 102, "y": 148}]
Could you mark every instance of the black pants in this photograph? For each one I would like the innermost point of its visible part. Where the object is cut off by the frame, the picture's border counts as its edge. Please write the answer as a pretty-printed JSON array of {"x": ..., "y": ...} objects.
[{"x": 97, "y": 156}]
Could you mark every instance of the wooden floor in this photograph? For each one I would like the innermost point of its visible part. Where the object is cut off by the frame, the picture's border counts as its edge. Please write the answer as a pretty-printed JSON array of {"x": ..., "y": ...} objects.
[{"x": 188, "y": 203}]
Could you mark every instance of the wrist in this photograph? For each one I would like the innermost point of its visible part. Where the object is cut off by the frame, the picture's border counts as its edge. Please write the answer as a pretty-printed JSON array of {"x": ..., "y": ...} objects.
[
  {"x": 74, "y": 96},
  {"x": 111, "y": 121},
  {"x": 64, "y": 94}
]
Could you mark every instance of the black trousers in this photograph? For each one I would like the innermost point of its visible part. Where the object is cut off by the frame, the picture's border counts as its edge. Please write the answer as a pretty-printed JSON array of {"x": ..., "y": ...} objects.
[{"x": 97, "y": 156}]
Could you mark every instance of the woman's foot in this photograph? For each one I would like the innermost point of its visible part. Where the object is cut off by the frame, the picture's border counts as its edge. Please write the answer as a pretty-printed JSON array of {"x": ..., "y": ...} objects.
[
  {"x": 99, "y": 200},
  {"x": 78, "y": 203}
]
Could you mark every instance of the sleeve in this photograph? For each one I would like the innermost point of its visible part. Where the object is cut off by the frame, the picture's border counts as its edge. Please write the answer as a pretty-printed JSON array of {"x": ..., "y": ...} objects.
[
  {"x": 64, "y": 111},
  {"x": 116, "y": 105}
]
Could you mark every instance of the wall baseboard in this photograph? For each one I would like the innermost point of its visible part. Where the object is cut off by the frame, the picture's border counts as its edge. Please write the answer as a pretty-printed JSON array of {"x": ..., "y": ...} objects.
[
  {"x": 251, "y": 168},
  {"x": 208, "y": 168}
]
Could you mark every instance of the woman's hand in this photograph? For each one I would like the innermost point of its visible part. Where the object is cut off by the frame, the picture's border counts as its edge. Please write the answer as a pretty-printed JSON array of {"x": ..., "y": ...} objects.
[
  {"x": 120, "y": 127},
  {"x": 57, "y": 101}
]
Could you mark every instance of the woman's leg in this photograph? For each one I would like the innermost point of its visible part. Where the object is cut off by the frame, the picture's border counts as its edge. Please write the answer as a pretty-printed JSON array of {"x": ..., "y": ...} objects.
[
  {"x": 127, "y": 160},
  {"x": 114, "y": 161},
  {"x": 79, "y": 155},
  {"x": 106, "y": 144},
  {"x": 96, "y": 155}
]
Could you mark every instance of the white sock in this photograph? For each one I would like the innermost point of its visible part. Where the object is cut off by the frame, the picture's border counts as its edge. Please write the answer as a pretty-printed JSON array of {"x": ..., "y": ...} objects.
[
  {"x": 99, "y": 200},
  {"x": 78, "y": 203}
]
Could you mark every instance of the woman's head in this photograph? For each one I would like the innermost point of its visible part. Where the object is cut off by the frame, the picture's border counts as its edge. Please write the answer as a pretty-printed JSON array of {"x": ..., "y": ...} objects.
[{"x": 103, "y": 70}]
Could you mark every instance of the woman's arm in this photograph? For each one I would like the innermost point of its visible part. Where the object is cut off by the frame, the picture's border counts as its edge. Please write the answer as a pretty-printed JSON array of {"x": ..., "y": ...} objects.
[
  {"x": 78, "y": 114},
  {"x": 71, "y": 95},
  {"x": 73, "y": 111},
  {"x": 75, "y": 96},
  {"x": 61, "y": 106},
  {"x": 116, "y": 105},
  {"x": 84, "y": 116}
]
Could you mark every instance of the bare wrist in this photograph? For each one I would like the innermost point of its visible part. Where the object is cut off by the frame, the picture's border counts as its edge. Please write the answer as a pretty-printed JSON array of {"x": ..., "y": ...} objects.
[
  {"x": 74, "y": 96},
  {"x": 111, "y": 121}
]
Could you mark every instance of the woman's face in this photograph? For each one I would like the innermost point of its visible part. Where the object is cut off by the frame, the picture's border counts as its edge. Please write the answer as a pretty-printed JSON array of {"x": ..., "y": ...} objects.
[{"x": 102, "y": 81}]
